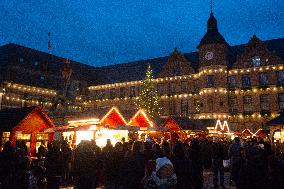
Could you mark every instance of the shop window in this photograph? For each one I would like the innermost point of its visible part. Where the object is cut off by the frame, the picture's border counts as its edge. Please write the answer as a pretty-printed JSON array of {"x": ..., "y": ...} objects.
[
  {"x": 247, "y": 101},
  {"x": 232, "y": 81},
  {"x": 281, "y": 101},
  {"x": 5, "y": 138},
  {"x": 280, "y": 77},
  {"x": 246, "y": 80},
  {"x": 41, "y": 139},
  {"x": 263, "y": 79},
  {"x": 255, "y": 61},
  {"x": 264, "y": 102},
  {"x": 132, "y": 91},
  {"x": 24, "y": 137},
  {"x": 210, "y": 81},
  {"x": 160, "y": 88}
]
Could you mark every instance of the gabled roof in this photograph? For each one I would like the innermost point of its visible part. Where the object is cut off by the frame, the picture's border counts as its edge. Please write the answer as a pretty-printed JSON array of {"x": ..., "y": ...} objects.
[
  {"x": 10, "y": 118},
  {"x": 134, "y": 71}
]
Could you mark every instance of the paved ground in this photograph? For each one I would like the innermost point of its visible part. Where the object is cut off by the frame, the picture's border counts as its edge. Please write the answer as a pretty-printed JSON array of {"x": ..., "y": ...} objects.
[{"x": 208, "y": 181}]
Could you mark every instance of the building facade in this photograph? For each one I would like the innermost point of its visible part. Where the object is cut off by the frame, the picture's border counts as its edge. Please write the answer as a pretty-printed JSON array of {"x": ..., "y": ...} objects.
[{"x": 242, "y": 84}]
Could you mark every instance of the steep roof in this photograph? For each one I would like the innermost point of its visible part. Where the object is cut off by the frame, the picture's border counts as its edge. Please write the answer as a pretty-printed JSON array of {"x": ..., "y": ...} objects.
[
  {"x": 134, "y": 71},
  {"x": 10, "y": 118}
]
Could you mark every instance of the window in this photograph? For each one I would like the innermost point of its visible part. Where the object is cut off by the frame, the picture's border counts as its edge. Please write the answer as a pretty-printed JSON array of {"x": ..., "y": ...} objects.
[
  {"x": 232, "y": 81},
  {"x": 184, "y": 107},
  {"x": 42, "y": 77},
  {"x": 246, "y": 80},
  {"x": 184, "y": 87},
  {"x": 122, "y": 92},
  {"x": 160, "y": 89},
  {"x": 255, "y": 61},
  {"x": 176, "y": 68},
  {"x": 263, "y": 79},
  {"x": 210, "y": 81},
  {"x": 233, "y": 104},
  {"x": 280, "y": 77},
  {"x": 196, "y": 104},
  {"x": 210, "y": 105},
  {"x": 36, "y": 63},
  {"x": 139, "y": 88},
  {"x": 171, "y": 88},
  {"x": 281, "y": 101},
  {"x": 132, "y": 91},
  {"x": 172, "y": 108},
  {"x": 247, "y": 101},
  {"x": 5, "y": 138},
  {"x": 112, "y": 93},
  {"x": 21, "y": 60},
  {"x": 24, "y": 137},
  {"x": 264, "y": 102}
]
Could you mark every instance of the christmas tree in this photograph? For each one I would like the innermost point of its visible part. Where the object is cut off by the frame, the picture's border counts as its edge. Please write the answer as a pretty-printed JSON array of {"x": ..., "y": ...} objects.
[{"x": 148, "y": 98}]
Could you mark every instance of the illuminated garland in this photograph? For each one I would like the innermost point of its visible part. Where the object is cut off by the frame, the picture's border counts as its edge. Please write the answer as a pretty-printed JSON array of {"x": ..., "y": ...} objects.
[{"x": 205, "y": 71}]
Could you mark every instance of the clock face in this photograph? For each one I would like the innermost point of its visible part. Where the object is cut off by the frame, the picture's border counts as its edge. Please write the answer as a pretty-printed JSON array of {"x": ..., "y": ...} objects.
[{"x": 209, "y": 55}]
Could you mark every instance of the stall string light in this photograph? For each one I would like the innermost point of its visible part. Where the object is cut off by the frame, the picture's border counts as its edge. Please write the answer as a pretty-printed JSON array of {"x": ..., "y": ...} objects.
[{"x": 144, "y": 115}]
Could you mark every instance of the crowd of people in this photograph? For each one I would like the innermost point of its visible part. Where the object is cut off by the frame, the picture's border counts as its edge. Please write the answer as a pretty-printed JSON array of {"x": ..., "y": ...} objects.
[{"x": 167, "y": 164}]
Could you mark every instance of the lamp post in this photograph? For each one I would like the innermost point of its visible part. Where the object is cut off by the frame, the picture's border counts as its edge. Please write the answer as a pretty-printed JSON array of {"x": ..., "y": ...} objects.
[{"x": 2, "y": 92}]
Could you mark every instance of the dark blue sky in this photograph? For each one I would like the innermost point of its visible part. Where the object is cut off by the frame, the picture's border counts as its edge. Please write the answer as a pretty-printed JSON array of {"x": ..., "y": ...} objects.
[{"x": 116, "y": 31}]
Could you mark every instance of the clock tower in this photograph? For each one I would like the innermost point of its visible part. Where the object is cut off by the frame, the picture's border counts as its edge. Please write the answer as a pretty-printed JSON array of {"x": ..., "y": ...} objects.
[
  {"x": 213, "y": 58},
  {"x": 213, "y": 48}
]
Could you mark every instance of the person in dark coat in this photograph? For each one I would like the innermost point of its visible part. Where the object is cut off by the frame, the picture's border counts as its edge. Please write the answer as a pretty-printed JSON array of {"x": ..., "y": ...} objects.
[
  {"x": 182, "y": 167},
  {"x": 253, "y": 173},
  {"x": 22, "y": 177},
  {"x": 53, "y": 164},
  {"x": 195, "y": 156},
  {"x": 134, "y": 167},
  {"x": 7, "y": 161},
  {"x": 235, "y": 159},
  {"x": 86, "y": 165},
  {"x": 217, "y": 162}
]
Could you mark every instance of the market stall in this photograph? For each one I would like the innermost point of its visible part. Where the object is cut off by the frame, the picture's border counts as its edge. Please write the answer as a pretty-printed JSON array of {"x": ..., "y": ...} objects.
[{"x": 26, "y": 125}]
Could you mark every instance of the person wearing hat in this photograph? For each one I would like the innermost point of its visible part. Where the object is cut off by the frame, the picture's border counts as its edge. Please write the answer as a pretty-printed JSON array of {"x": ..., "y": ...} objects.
[{"x": 163, "y": 177}]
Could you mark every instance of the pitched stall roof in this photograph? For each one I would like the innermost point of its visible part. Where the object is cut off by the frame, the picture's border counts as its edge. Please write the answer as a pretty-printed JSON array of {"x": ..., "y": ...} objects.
[
  {"x": 113, "y": 118},
  {"x": 10, "y": 118},
  {"x": 141, "y": 119}
]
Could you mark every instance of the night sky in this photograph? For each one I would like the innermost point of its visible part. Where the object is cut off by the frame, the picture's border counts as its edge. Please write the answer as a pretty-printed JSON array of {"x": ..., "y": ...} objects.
[{"x": 116, "y": 31}]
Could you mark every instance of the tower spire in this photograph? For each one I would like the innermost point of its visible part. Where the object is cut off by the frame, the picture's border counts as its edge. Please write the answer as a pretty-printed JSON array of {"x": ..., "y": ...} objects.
[
  {"x": 211, "y": 6},
  {"x": 49, "y": 43}
]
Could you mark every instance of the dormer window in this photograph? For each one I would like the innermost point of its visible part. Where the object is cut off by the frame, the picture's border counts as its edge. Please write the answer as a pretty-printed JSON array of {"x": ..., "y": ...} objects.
[
  {"x": 176, "y": 71},
  {"x": 255, "y": 61},
  {"x": 21, "y": 60}
]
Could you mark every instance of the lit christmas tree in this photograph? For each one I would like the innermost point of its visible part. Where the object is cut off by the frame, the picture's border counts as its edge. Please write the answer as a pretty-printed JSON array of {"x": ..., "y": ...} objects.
[{"x": 148, "y": 98}]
